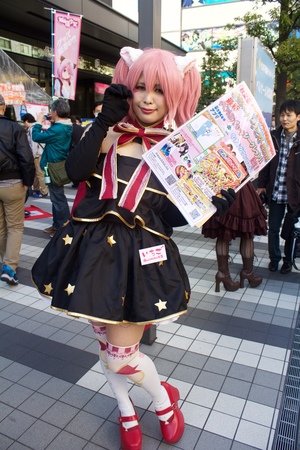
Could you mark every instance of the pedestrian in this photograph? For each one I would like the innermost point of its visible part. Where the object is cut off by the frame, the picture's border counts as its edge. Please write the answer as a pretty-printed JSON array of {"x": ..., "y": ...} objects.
[
  {"x": 279, "y": 180},
  {"x": 78, "y": 120},
  {"x": 97, "y": 107},
  {"x": 57, "y": 140},
  {"x": 245, "y": 219},
  {"x": 97, "y": 264},
  {"x": 77, "y": 133},
  {"x": 16, "y": 177},
  {"x": 39, "y": 187}
]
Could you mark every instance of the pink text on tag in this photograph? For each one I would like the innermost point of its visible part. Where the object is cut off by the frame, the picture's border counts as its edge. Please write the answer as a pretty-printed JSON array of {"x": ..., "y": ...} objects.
[{"x": 153, "y": 254}]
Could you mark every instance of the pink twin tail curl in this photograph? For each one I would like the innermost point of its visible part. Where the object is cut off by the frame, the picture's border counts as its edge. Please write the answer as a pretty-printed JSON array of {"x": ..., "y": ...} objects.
[{"x": 183, "y": 63}]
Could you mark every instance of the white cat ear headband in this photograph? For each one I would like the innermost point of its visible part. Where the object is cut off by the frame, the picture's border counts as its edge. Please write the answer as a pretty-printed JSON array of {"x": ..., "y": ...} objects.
[
  {"x": 183, "y": 63},
  {"x": 130, "y": 55}
]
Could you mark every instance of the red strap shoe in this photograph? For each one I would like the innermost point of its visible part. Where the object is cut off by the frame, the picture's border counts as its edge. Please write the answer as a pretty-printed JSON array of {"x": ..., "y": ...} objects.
[
  {"x": 173, "y": 428},
  {"x": 131, "y": 438}
]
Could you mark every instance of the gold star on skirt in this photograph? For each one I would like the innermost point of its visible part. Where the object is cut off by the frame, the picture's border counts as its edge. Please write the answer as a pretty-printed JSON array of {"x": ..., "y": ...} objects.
[
  {"x": 161, "y": 305},
  {"x": 110, "y": 240},
  {"x": 70, "y": 289}
]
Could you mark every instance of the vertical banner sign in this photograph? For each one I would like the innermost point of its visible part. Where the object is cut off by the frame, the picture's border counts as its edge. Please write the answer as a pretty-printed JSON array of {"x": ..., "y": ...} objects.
[
  {"x": 67, "y": 29},
  {"x": 257, "y": 68}
]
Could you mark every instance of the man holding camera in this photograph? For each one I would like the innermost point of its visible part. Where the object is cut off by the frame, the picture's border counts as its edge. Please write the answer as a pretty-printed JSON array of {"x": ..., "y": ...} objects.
[
  {"x": 57, "y": 141},
  {"x": 280, "y": 182}
]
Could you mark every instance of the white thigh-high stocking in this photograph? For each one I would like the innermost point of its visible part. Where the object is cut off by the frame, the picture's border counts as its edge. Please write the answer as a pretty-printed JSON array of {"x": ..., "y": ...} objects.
[
  {"x": 118, "y": 383},
  {"x": 140, "y": 369}
]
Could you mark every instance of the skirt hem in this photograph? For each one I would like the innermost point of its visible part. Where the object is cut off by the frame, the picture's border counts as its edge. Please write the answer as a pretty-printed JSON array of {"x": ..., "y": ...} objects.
[{"x": 116, "y": 322}]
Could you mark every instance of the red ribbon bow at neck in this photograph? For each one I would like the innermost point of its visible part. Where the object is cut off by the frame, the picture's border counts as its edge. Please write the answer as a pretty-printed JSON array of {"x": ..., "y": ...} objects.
[{"x": 138, "y": 181}]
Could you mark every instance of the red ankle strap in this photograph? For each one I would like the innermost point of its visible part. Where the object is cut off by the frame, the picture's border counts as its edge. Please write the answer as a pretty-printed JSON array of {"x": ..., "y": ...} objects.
[
  {"x": 128, "y": 418},
  {"x": 167, "y": 410}
]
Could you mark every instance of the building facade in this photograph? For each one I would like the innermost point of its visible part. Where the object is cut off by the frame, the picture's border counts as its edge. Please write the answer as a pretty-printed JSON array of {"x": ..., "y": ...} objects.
[
  {"x": 195, "y": 25},
  {"x": 25, "y": 36},
  {"x": 107, "y": 26}
]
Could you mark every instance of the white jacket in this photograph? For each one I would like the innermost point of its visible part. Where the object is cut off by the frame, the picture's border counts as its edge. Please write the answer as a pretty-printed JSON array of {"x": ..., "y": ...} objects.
[{"x": 37, "y": 149}]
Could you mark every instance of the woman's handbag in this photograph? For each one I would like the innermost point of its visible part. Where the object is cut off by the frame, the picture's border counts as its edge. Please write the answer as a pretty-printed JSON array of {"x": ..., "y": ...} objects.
[{"x": 58, "y": 173}]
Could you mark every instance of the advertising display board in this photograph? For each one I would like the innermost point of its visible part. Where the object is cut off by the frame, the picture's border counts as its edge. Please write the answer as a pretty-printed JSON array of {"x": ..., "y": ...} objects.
[
  {"x": 67, "y": 29},
  {"x": 224, "y": 146},
  {"x": 257, "y": 68}
]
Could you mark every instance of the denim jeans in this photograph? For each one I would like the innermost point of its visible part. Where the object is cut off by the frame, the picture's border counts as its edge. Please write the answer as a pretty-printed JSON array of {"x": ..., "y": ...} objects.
[
  {"x": 60, "y": 207},
  {"x": 276, "y": 215}
]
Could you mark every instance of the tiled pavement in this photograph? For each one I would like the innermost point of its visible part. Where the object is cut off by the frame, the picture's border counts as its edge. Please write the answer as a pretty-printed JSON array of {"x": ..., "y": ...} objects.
[{"x": 229, "y": 357}]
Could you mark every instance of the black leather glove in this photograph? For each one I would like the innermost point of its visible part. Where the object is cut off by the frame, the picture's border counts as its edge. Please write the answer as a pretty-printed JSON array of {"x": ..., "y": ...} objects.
[
  {"x": 115, "y": 105},
  {"x": 223, "y": 204}
]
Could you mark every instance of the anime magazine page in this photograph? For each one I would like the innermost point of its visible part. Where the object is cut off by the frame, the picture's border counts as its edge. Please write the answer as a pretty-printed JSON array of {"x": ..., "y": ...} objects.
[{"x": 223, "y": 146}]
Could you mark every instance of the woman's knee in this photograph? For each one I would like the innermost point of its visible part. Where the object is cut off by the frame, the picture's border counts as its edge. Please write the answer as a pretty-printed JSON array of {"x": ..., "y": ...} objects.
[{"x": 124, "y": 335}]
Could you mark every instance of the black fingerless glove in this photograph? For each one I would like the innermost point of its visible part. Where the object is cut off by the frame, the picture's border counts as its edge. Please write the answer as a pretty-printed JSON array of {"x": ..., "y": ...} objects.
[
  {"x": 115, "y": 105},
  {"x": 223, "y": 204}
]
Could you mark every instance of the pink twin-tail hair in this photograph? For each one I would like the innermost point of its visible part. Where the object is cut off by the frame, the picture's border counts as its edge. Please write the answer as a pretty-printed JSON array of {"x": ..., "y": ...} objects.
[{"x": 181, "y": 94}]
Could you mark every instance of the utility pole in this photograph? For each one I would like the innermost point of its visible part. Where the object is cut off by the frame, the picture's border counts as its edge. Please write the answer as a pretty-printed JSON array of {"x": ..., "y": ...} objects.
[
  {"x": 149, "y": 23},
  {"x": 149, "y": 36}
]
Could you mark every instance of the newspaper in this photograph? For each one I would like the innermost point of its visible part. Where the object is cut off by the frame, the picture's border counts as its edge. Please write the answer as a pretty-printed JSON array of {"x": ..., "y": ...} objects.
[{"x": 222, "y": 147}]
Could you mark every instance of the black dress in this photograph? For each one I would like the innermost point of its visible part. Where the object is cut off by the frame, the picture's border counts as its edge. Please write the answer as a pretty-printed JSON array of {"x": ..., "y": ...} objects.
[
  {"x": 246, "y": 218},
  {"x": 91, "y": 267}
]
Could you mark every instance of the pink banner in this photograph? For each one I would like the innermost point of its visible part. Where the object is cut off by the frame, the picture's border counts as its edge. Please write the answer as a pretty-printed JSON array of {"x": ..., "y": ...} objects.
[{"x": 67, "y": 28}]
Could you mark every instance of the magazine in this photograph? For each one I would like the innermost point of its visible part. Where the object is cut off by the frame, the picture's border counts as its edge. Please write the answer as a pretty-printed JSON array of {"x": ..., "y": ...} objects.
[{"x": 224, "y": 146}]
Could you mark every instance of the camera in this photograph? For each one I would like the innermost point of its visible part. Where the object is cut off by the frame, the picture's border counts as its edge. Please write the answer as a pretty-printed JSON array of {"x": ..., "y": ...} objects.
[
  {"x": 47, "y": 117},
  {"x": 263, "y": 198}
]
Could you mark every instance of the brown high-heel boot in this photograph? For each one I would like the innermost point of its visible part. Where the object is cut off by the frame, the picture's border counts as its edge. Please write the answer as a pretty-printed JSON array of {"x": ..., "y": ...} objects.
[
  {"x": 247, "y": 253},
  {"x": 223, "y": 275},
  {"x": 247, "y": 273}
]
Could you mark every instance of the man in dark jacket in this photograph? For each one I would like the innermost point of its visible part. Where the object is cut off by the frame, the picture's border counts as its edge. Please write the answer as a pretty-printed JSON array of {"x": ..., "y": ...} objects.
[
  {"x": 16, "y": 176},
  {"x": 280, "y": 181}
]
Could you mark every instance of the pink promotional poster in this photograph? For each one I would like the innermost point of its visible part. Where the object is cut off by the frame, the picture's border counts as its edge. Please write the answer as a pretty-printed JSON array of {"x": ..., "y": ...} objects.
[{"x": 67, "y": 29}]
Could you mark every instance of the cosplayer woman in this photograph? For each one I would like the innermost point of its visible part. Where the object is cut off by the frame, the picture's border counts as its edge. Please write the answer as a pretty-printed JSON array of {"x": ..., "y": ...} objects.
[{"x": 94, "y": 263}]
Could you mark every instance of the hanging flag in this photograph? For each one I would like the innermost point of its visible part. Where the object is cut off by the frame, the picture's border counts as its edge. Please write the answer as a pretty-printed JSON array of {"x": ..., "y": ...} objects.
[{"x": 67, "y": 29}]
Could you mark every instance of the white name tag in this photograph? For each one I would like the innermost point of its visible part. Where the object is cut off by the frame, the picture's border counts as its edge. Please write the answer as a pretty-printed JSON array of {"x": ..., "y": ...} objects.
[{"x": 153, "y": 254}]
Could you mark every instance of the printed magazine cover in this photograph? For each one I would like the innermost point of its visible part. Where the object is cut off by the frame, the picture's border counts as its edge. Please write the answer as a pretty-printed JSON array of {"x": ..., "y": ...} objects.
[{"x": 224, "y": 146}]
